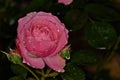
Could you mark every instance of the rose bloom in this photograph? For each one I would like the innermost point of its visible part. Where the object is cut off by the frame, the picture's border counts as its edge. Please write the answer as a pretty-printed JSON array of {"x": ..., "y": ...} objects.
[
  {"x": 65, "y": 2},
  {"x": 41, "y": 38}
]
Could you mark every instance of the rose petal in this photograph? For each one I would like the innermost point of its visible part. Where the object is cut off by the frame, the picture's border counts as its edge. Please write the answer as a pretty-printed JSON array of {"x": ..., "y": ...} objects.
[
  {"x": 62, "y": 42},
  {"x": 65, "y": 2},
  {"x": 34, "y": 62},
  {"x": 56, "y": 63},
  {"x": 22, "y": 22},
  {"x": 51, "y": 17},
  {"x": 31, "y": 61},
  {"x": 25, "y": 20},
  {"x": 43, "y": 22},
  {"x": 38, "y": 49}
]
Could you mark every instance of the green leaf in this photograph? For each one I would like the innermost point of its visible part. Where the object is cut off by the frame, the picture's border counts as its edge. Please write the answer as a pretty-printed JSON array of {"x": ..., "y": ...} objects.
[
  {"x": 101, "y": 35},
  {"x": 18, "y": 70},
  {"x": 101, "y": 12},
  {"x": 84, "y": 57},
  {"x": 75, "y": 19},
  {"x": 77, "y": 4},
  {"x": 73, "y": 73}
]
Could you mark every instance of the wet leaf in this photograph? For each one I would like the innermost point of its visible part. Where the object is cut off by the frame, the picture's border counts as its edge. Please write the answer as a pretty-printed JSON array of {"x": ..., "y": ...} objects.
[
  {"x": 101, "y": 35},
  {"x": 101, "y": 12},
  {"x": 85, "y": 57},
  {"x": 73, "y": 73}
]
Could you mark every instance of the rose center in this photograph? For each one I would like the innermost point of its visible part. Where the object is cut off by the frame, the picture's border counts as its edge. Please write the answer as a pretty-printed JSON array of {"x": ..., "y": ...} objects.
[
  {"x": 42, "y": 42},
  {"x": 41, "y": 34}
]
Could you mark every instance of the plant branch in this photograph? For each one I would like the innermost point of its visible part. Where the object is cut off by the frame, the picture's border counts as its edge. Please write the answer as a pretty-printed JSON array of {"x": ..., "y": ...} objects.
[{"x": 24, "y": 66}]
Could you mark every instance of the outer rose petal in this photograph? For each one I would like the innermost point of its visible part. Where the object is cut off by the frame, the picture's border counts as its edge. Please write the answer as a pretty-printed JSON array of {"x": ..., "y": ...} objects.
[
  {"x": 31, "y": 61},
  {"x": 23, "y": 21},
  {"x": 62, "y": 42},
  {"x": 51, "y": 18},
  {"x": 56, "y": 63},
  {"x": 65, "y": 2}
]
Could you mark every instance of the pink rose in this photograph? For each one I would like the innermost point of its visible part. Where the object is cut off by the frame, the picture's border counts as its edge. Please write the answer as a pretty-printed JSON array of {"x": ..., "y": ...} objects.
[
  {"x": 41, "y": 38},
  {"x": 65, "y": 2}
]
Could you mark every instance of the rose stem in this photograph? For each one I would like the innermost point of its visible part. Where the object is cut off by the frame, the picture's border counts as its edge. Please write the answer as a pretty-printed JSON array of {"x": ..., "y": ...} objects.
[
  {"x": 43, "y": 75},
  {"x": 24, "y": 66}
]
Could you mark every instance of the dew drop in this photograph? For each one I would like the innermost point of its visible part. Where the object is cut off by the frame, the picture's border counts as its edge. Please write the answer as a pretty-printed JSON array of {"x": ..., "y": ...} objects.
[
  {"x": 26, "y": 62},
  {"x": 58, "y": 30},
  {"x": 102, "y": 48},
  {"x": 23, "y": 42},
  {"x": 12, "y": 21},
  {"x": 67, "y": 57},
  {"x": 70, "y": 30}
]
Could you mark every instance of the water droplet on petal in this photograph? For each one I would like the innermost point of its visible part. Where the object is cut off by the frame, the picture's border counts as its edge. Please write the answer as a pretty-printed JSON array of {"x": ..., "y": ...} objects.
[
  {"x": 58, "y": 30},
  {"x": 60, "y": 70},
  {"x": 26, "y": 62},
  {"x": 23, "y": 42}
]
